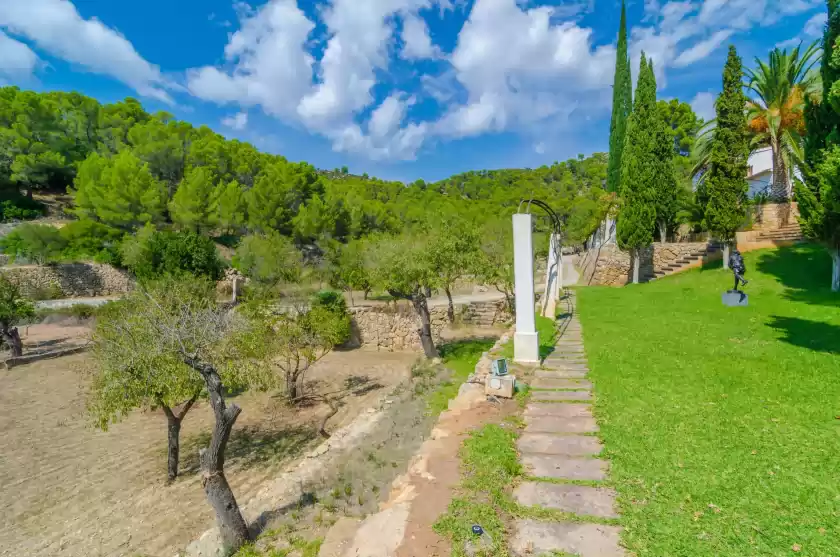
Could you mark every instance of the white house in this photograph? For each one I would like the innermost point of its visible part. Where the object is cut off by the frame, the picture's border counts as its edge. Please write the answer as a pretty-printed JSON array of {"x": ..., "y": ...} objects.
[{"x": 760, "y": 171}]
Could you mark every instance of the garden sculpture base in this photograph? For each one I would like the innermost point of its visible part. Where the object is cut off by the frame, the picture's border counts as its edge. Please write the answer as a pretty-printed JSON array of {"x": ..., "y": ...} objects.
[{"x": 735, "y": 298}]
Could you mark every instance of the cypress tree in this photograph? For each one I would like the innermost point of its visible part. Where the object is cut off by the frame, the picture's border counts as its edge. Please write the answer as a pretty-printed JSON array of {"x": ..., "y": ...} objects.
[
  {"x": 622, "y": 106},
  {"x": 726, "y": 185},
  {"x": 665, "y": 184},
  {"x": 638, "y": 170},
  {"x": 819, "y": 195}
]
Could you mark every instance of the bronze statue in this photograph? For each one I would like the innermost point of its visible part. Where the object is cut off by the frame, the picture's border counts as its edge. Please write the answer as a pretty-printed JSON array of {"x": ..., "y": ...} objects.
[{"x": 736, "y": 263}]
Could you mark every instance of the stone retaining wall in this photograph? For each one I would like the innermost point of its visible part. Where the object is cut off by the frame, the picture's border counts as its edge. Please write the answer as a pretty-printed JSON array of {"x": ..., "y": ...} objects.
[
  {"x": 393, "y": 328},
  {"x": 773, "y": 216},
  {"x": 69, "y": 280},
  {"x": 609, "y": 266}
]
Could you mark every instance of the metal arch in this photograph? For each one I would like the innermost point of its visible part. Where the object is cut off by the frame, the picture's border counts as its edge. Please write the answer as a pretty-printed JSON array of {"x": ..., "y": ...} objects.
[{"x": 557, "y": 221}]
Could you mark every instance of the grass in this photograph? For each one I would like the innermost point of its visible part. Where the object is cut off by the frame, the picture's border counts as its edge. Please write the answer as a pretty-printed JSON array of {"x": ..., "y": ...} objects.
[
  {"x": 547, "y": 334},
  {"x": 297, "y": 546},
  {"x": 461, "y": 357},
  {"x": 722, "y": 424},
  {"x": 489, "y": 466}
]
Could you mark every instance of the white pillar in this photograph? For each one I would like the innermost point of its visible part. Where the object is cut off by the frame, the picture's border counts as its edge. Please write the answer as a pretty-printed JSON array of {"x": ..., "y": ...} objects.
[
  {"x": 553, "y": 277},
  {"x": 525, "y": 342}
]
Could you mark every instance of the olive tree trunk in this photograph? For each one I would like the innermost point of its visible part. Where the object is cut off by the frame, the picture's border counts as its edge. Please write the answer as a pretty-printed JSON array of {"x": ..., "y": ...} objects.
[
  {"x": 173, "y": 428},
  {"x": 421, "y": 306},
  {"x": 835, "y": 270},
  {"x": 726, "y": 255},
  {"x": 450, "y": 312},
  {"x": 663, "y": 232},
  {"x": 232, "y": 525},
  {"x": 12, "y": 338}
]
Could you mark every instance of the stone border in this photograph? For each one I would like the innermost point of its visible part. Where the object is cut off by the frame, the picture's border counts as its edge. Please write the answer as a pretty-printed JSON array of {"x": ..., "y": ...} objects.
[{"x": 28, "y": 359}]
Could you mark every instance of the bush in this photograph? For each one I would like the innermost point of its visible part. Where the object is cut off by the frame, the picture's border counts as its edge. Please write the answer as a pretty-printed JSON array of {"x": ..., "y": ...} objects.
[
  {"x": 330, "y": 300},
  {"x": 268, "y": 259},
  {"x": 153, "y": 254},
  {"x": 14, "y": 206},
  {"x": 36, "y": 242},
  {"x": 87, "y": 239}
]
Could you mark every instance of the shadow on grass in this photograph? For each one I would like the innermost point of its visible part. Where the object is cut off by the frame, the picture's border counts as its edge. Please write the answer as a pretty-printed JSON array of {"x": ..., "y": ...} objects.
[
  {"x": 813, "y": 335},
  {"x": 805, "y": 271},
  {"x": 249, "y": 446}
]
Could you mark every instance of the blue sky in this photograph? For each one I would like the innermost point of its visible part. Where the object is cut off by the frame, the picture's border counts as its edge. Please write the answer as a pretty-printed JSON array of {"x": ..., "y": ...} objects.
[{"x": 400, "y": 89}]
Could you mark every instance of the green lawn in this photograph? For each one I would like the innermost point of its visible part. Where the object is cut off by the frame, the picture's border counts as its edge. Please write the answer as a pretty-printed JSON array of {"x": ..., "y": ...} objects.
[{"x": 722, "y": 424}]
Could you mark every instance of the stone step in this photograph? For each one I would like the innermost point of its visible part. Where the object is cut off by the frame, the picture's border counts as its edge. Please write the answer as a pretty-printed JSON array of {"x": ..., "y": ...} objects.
[
  {"x": 565, "y": 363},
  {"x": 561, "y": 373},
  {"x": 557, "y": 396},
  {"x": 545, "y": 383},
  {"x": 554, "y": 424},
  {"x": 571, "y": 410},
  {"x": 564, "y": 467},
  {"x": 577, "y": 499},
  {"x": 568, "y": 445},
  {"x": 534, "y": 538}
]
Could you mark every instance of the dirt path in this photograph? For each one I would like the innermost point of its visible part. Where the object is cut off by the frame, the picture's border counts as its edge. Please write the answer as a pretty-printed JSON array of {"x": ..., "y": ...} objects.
[{"x": 74, "y": 491}]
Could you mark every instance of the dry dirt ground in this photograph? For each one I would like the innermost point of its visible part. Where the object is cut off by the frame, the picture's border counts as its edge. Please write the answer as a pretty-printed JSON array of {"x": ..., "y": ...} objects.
[{"x": 70, "y": 490}]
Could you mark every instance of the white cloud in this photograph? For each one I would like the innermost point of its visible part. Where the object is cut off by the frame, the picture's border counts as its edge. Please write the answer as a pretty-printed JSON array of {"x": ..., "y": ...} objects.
[
  {"x": 236, "y": 121},
  {"x": 539, "y": 148},
  {"x": 418, "y": 43},
  {"x": 16, "y": 59},
  {"x": 815, "y": 26},
  {"x": 703, "y": 104},
  {"x": 56, "y": 27},
  {"x": 519, "y": 67},
  {"x": 271, "y": 67},
  {"x": 702, "y": 49}
]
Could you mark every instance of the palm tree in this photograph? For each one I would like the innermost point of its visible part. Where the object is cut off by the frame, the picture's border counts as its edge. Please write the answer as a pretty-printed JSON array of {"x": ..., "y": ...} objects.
[{"x": 776, "y": 114}]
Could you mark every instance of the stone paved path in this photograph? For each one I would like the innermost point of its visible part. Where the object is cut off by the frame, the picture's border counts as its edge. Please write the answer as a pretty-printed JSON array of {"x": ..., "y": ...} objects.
[{"x": 559, "y": 450}]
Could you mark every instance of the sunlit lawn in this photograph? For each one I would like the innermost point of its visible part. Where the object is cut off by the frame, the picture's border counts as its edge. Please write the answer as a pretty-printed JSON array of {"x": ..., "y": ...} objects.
[{"x": 722, "y": 424}]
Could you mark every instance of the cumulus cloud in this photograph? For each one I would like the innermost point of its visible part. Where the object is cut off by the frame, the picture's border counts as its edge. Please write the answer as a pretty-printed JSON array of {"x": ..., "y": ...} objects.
[
  {"x": 56, "y": 27},
  {"x": 418, "y": 43},
  {"x": 813, "y": 30},
  {"x": 16, "y": 59},
  {"x": 702, "y": 49},
  {"x": 236, "y": 121},
  {"x": 703, "y": 104}
]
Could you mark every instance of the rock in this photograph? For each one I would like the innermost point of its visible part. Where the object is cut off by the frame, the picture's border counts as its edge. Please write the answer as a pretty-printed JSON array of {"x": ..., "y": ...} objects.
[{"x": 340, "y": 537}]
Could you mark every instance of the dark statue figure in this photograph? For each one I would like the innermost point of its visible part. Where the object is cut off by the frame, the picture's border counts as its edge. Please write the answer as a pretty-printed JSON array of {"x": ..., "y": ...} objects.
[{"x": 736, "y": 263}]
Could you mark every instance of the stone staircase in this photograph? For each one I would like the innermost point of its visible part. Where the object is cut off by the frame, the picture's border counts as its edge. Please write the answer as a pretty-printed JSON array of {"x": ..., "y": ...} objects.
[
  {"x": 683, "y": 263},
  {"x": 787, "y": 233}
]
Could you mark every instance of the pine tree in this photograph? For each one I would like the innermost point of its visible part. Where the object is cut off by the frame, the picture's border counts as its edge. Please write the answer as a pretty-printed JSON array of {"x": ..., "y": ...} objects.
[
  {"x": 622, "y": 106},
  {"x": 726, "y": 184},
  {"x": 819, "y": 194},
  {"x": 639, "y": 171}
]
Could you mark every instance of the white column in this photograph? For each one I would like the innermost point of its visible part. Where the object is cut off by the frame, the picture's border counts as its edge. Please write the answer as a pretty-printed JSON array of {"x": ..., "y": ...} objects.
[
  {"x": 525, "y": 342},
  {"x": 553, "y": 277}
]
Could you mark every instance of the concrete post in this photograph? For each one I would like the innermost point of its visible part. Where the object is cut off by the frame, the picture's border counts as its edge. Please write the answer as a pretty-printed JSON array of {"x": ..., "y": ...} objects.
[
  {"x": 553, "y": 277},
  {"x": 525, "y": 341}
]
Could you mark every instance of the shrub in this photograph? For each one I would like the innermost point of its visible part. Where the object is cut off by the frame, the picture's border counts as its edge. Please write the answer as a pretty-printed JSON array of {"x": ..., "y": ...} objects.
[
  {"x": 87, "y": 239},
  {"x": 36, "y": 242},
  {"x": 268, "y": 259},
  {"x": 330, "y": 300},
  {"x": 21, "y": 208},
  {"x": 152, "y": 254}
]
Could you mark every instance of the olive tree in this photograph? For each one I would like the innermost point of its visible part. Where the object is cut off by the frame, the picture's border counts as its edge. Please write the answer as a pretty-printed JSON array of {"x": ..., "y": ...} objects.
[
  {"x": 494, "y": 262},
  {"x": 13, "y": 309},
  {"x": 403, "y": 266},
  {"x": 454, "y": 247},
  {"x": 171, "y": 325}
]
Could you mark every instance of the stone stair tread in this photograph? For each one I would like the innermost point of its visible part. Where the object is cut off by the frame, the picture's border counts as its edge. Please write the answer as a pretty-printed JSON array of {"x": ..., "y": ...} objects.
[
  {"x": 572, "y": 410},
  {"x": 564, "y": 467},
  {"x": 577, "y": 499},
  {"x": 545, "y": 383},
  {"x": 553, "y": 444},
  {"x": 556, "y": 396},
  {"x": 555, "y": 424},
  {"x": 534, "y": 538},
  {"x": 561, "y": 373}
]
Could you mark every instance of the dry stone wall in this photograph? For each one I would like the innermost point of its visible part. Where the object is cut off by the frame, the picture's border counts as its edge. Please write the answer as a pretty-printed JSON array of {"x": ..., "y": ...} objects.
[
  {"x": 69, "y": 280},
  {"x": 773, "y": 216},
  {"x": 610, "y": 266},
  {"x": 393, "y": 328}
]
